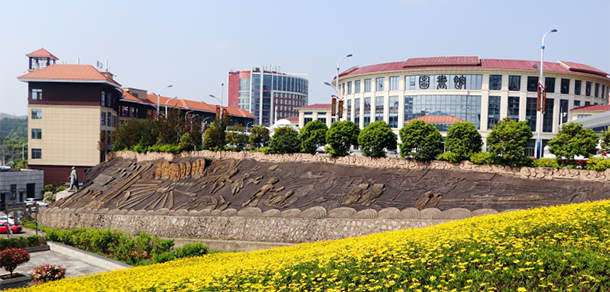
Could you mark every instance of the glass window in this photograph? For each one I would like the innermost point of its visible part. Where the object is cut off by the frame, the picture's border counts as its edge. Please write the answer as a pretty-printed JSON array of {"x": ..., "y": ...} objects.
[
  {"x": 495, "y": 82},
  {"x": 36, "y": 133},
  {"x": 349, "y": 87},
  {"x": 103, "y": 118},
  {"x": 379, "y": 108},
  {"x": 587, "y": 103},
  {"x": 36, "y": 153},
  {"x": 514, "y": 83},
  {"x": 565, "y": 86},
  {"x": 465, "y": 107},
  {"x": 349, "y": 109},
  {"x": 244, "y": 84},
  {"x": 394, "y": 111},
  {"x": 379, "y": 83},
  {"x": 323, "y": 120},
  {"x": 357, "y": 111},
  {"x": 393, "y": 82},
  {"x": 367, "y": 85},
  {"x": 576, "y": 103},
  {"x": 409, "y": 108},
  {"x": 410, "y": 82},
  {"x": 596, "y": 89},
  {"x": 343, "y": 88},
  {"x": 604, "y": 92},
  {"x": 493, "y": 112},
  {"x": 588, "y": 88},
  {"x": 531, "y": 113},
  {"x": 321, "y": 113},
  {"x": 532, "y": 83},
  {"x": 563, "y": 110},
  {"x": 550, "y": 84},
  {"x": 307, "y": 120},
  {"x": 367, "y": 111},
  {"x": 577, "y": 86},
  {"x": 36, "y": 114},
  {"x": 513, "y": 107},
  {"x": 103, "y": 102},
  {"x": 547, "y": 121},
  {"x": 109, "y": 119},
  {"x": 357, "y": 86},
  {"x": 36, "y": 94}
]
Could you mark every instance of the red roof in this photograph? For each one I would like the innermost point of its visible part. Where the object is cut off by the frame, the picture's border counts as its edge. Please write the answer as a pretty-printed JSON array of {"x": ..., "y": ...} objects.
[
  {"x": 595, "y": 107},
  {"x": 316, "y": 106},
  {"x": 67, "y": 72},
  {"x": 433, "y": 119},
  {"x": 151, "y": 98},
  {"x": 41, "y": 53},
  {"x": 470, "y": 63},
  {"x": 292, "y": 119}
]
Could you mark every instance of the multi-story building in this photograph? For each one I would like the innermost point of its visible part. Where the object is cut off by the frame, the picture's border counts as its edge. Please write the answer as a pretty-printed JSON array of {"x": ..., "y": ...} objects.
[
  {"x": 480, "y": 91},
  {"x": 268, "y": 94},
  {"x": 73, "y": 109},
  {"x": 315, "y": 112}
]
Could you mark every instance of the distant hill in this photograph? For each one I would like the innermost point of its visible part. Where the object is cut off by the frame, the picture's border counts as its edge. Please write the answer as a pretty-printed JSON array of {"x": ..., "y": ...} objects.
[
  {"x": 3, "y": 115},
  {"x": 14, "y": 127}
]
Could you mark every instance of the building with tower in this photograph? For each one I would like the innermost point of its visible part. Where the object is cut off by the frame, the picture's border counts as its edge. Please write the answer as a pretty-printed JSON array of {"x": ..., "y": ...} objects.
[{"x": 267, "y": 93}]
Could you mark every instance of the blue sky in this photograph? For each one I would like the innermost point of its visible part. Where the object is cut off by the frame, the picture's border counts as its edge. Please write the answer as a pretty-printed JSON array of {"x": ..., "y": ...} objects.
[{"x": 193, "y": 44}]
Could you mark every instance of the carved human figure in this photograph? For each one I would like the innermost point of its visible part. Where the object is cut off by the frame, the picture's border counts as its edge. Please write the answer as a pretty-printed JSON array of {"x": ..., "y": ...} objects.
[{"x": 73, "y": 179}]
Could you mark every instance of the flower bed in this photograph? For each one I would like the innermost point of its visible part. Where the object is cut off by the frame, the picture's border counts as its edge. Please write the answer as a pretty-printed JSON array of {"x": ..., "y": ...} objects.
[{"x": 542, "y": 249}]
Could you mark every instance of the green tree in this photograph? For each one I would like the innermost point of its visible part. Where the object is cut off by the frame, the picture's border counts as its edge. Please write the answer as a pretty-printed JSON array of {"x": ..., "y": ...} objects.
[
  {"x": 340, "y": 137},
  {"x": 259, "y": 135},
  {"x": 508, "y": 140},
  {"x": 214, "y": 136},
  {"x": 14, "y": 127},
  {"x": 605, "y": 143},
  {"x": 420, "y": 140},
  {"x": 285, "y": 140},
  {"x": 573, "y": 140},
  {"x": 463, "y": 139},
  {"x": 376, "y": 137},
  {"x": 312, "y": 135},
  {"x": 236, "y": 136}
]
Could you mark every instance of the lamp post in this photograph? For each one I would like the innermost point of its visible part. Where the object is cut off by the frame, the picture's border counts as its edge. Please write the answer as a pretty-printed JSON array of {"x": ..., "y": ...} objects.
[
  {"x": 159, "y": 97},
  {"x": 542, "y": 90},
  {"x": 220, "y": 100},
  {"x": 166, "y": 104}
]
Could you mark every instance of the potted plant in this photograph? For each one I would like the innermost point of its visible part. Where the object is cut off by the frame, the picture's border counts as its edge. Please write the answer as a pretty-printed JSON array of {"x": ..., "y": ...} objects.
[
  {"x": 48, "y": 272},
  {"x": 9, "y": 260}
]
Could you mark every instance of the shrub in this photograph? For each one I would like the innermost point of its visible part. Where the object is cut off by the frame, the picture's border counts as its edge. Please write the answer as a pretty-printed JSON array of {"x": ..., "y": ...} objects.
[
  {"x": 546, "y": 162},
  {"x": 13, "y": 257},
  {"x": 285, "y": 140},
  {"x": 605, "y": 143},
  {"x": 340, "y": 137},
  {"x": 164, "y": 257},
  {"x": 47, "y": 273},
  {"x": 508, "y": 140},
  {"x": 236, "y": 136},
  {"x": 312, "y": 135},
  {"x": 483, "y": 158},
  {"x": 420, "y": 140},
  {"x": 598, "y": 163},
  {"x": 573, "y": 140},
  {"x": 450, "y": 156},
  {"x": 61, "y": 189},
  {"x": 21, "y": 242},
  {"x": 463, "y": 139},
  {"x": 376, "y": 137},
  {"x": 259, "y": 135},
  {"x": 191, "y": 250},
  {"x": 49, "y": 197}
]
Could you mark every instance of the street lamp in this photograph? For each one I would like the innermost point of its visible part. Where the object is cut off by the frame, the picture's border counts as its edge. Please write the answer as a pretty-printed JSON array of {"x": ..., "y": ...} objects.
[
  {"x": 166, "y": 104},
  {"x": 542, "y": 90},
  {"x": 159, "y": 97},
  {"x": 337, "y": 84}
]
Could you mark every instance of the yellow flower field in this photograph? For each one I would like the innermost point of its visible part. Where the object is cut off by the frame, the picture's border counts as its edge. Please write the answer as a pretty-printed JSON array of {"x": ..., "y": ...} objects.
[{"x": 565, "y": 248}]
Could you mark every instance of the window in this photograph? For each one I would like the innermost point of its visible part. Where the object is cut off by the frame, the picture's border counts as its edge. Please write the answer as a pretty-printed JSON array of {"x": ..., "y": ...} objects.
[
  {"x": 308, "y": 113},
  {"x": 410, "y": 80},
  {"x": 549, "y": 82},
  {"x": 343, "y": 88},
  {"x": 532, "y": 83},
  {"x": 322, "y": 113},
  {"x": 393, "y": 83},
  {"x": 357, "y": 86},
  {"x": 565, "y": 86},
  {"x": 103, "y": 99},
  {"x": 349, "y": 109},
  {"x": 307, "y": 120},
  {"x": 36, "y": 153},
  {"x": 349, "y": 87},
  {"x": 109, "y": 119},
  {"x": 596, "y": 89},
  {"x": 109, "y": 100},
  {"x": 493, "y": 112},
  {"x": 367, "y": 85},
  {"x": 531, "y": 113},
  {"x": 244, "y": 84},
  {"x": 583, "y": 116},
  {"x": 514, "y": 83},
  {"x": 379, "y": 108},
  {"x": 103, "y": 118},
  {"x": 367, "y": 111},
  {"x": 495, "y": 82},
  {"x": 577, "y": 86},
  {"x": 36, "y": 114},
  {"x": 576, "y": 103},
  {"x": 323, "y": 120},
  {"x": 465, "y": 107},
  {"x": 36, "y": 94},
  {"x": 394, "y": 111},
  {"x": 357, "y": 111},
  {"x": 587, "y": 103},
  {"x": 513, "y": 107},
  {"x": 588, "y": 89},
  {"x": 36, "y": 133},
  {"x": 547, "y": 121},
  {"x": 379, "y": 83},
  {"x": 604, "y": 92},
  {"x": 563, "y": 111}
]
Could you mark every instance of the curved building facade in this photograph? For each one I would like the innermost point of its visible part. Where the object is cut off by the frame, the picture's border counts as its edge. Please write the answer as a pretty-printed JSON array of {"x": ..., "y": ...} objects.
[{"x": 480, "y": 91}]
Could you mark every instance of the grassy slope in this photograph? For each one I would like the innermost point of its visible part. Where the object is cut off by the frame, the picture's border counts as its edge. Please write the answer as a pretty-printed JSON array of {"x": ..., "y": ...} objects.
[{"x": 562, "y": 248}]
